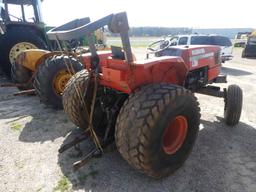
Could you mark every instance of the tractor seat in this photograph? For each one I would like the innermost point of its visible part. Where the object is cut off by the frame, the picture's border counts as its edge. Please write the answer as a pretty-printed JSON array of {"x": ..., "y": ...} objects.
[{"x": 117, "y": 53}]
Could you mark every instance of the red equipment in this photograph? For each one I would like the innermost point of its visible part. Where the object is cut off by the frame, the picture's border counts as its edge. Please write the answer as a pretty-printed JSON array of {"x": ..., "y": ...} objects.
[{"x": 147, "y": 106}]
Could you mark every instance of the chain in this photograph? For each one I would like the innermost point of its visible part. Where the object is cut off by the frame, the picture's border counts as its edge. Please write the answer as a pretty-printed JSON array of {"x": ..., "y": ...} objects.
[{"x": 89, "y": 117}]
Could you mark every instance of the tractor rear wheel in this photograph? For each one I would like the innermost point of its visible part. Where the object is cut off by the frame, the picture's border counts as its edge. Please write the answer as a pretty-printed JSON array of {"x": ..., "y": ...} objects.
[
  {"x": 21, "y": 75},
  {"x": 157, "y": 128},
  {"x": 52, "y": 77},
  {"x": 233, "y": 105},
  {"x": 16, "y": 40}
]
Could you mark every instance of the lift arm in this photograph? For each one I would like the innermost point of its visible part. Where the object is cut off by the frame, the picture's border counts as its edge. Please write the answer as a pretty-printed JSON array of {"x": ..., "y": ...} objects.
[{"x": 117, "y": 23}]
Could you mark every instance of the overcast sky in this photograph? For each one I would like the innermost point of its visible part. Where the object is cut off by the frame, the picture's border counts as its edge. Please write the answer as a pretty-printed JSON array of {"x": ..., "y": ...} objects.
[{"x": 167, "y": 13}]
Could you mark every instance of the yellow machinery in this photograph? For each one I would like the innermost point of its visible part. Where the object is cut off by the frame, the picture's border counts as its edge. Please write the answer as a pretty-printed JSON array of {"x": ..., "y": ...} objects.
[
  {"x": 19, "y": 30},
  {"x": 49, "y": 71}
]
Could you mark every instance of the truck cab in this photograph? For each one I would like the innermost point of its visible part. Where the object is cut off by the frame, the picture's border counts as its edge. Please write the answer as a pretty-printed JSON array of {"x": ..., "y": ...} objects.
[
  {"x": 250, "y": 48},
  {"x": 196, "y": 39}
]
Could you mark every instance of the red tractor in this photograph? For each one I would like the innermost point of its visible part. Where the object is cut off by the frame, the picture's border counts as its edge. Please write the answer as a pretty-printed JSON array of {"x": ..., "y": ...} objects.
[{"x": 147, "y": 107}]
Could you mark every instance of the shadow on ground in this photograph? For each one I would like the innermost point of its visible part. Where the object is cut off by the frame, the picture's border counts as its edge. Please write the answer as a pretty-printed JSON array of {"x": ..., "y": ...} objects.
[
  {"x": 41, "y": 123},
  {"x": 216, "y": 164},
  {"x": 234, "y": 72},
  {"x": 46, "y": 126}
]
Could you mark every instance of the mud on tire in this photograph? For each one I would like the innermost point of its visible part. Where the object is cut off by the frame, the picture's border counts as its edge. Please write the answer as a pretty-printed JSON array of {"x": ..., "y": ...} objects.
[
  {"x": 142, "y": 124},
  {"x": 45, "y": 77}
]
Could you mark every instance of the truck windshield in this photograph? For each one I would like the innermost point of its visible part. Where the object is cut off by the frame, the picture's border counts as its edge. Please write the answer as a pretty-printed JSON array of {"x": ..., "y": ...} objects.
[
  {"x": 221, "y": 41},
  {"x": 210, "y": 40},
  {"x": 201, "y": 40},
  {"x": 252, "y": 41}
]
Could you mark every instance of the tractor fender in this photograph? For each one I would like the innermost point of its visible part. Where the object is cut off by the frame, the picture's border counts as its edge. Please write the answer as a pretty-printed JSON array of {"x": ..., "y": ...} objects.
[
  {"x": 166, "y": 69},
  {"x": 127, "y": 78},
  {"x": 170, "y": 70}
]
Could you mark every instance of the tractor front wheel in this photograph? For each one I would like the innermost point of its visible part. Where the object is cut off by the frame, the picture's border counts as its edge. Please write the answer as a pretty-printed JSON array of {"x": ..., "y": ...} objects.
[
  {"x": 233, "y": 105},
  {"x": 157, "y": 128},
  {"x": 52, "y": 77}
]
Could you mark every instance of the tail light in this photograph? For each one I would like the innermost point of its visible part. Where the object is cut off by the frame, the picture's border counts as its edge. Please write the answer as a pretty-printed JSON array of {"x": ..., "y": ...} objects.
[{"x": 218, "y": 57}]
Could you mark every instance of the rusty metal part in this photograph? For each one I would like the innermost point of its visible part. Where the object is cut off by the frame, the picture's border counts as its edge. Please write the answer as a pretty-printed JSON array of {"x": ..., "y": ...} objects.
[
  {"x": 26, "y": 92},
  {"x": 11, "y": 85}
]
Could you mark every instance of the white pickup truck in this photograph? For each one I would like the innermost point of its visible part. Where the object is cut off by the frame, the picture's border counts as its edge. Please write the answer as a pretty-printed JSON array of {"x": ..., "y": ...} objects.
[{"x": 196, "y": 39}]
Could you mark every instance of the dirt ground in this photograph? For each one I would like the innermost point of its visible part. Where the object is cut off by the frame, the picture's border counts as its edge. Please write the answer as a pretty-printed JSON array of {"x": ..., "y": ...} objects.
[{"x": 223, "y": 159}]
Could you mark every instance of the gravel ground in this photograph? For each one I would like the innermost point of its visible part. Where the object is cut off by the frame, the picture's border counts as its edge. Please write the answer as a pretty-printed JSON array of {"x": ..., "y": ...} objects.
[{"x": 223, "y": 158}]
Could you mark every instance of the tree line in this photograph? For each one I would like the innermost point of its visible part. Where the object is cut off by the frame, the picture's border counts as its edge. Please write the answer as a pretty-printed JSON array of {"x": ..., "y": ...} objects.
[
  {"x": 163, "y": 31},
  {"x": 155, "y": 31}
]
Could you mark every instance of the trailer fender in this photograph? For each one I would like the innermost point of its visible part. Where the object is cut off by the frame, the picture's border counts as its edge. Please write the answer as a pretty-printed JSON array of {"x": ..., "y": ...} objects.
[{"x": 31, "y": 58}]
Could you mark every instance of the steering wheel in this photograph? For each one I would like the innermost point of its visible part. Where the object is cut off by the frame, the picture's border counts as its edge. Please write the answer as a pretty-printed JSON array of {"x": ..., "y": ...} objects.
[{"x": 158, "y": 46}]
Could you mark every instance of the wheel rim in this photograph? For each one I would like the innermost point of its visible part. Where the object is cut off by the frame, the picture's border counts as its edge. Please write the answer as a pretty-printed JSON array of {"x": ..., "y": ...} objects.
[
  {"x": 60, "y": 81},
  {"x": 18, "y": 48},
  {"x": 175, "y": 134}
]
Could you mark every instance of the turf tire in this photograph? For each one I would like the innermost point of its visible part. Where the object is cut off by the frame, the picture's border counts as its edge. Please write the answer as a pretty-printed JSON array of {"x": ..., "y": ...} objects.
[{"x": 141, "y": 124}]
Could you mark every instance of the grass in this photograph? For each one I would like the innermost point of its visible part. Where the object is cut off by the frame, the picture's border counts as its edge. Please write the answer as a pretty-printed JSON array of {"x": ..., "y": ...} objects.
[
  {"x": 40, "y": 189},
  {"x": 15, "y": 126},
  {"x": 19, "y": 164},
  {"x": 63, "y": 185}
]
